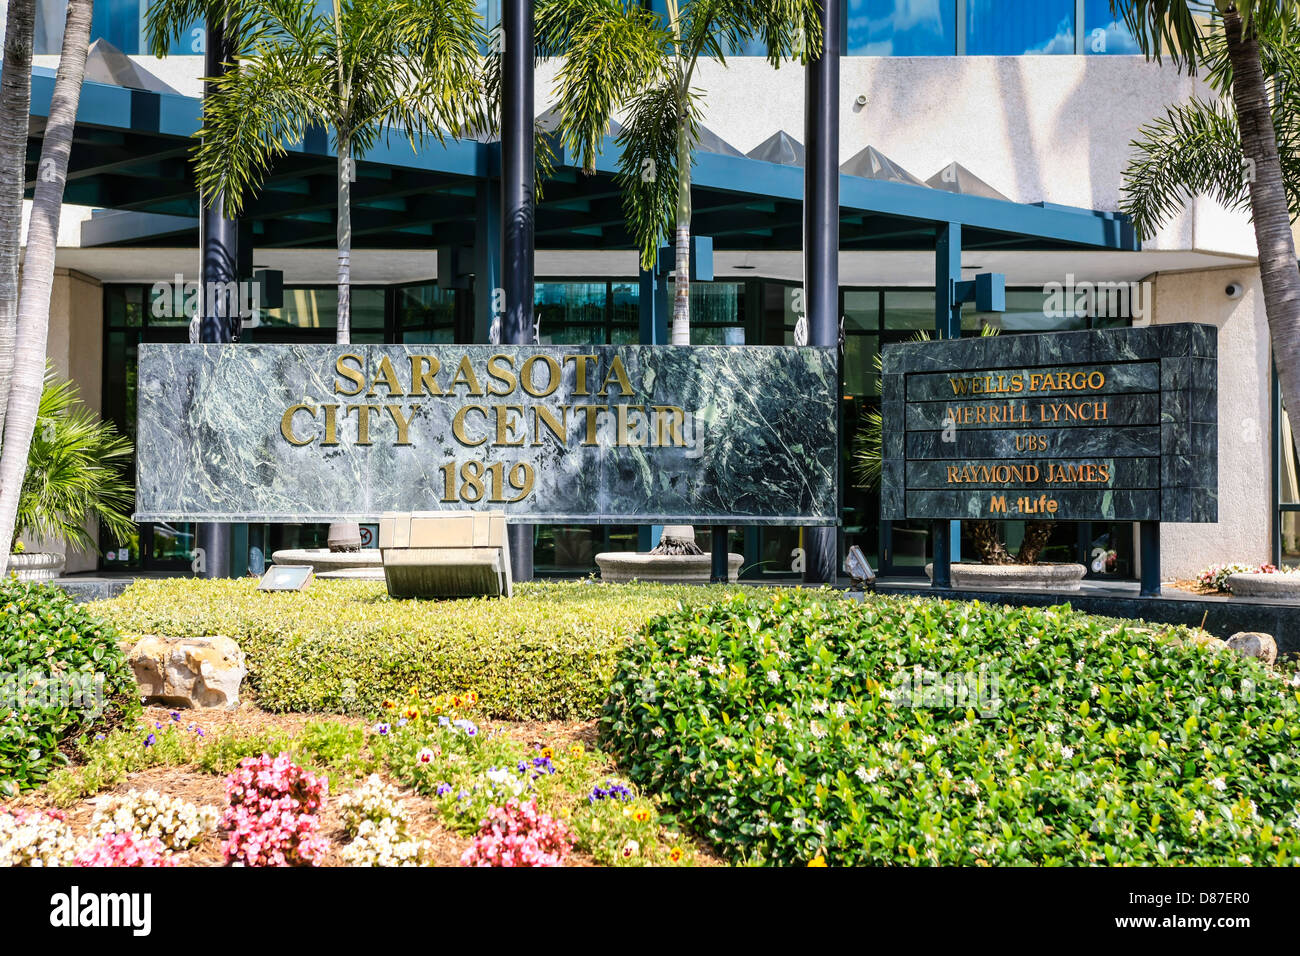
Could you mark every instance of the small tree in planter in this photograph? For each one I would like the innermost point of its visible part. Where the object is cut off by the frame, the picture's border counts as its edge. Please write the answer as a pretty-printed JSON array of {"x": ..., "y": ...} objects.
[
  {"x": 74, "y": 473},
  {"x": 986, "y": 534}
]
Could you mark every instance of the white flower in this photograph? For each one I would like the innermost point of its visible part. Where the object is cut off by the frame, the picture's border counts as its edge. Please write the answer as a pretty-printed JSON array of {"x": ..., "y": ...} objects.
[
  {"x": 780, "y": 768},
  {"x": 773, "y": 677},
  {"x": 1219, "y": 784},
  {"x": 865, "y": 775},
  {"x": 817, "y": 730},
  {"x": 1067, "y": 753}
]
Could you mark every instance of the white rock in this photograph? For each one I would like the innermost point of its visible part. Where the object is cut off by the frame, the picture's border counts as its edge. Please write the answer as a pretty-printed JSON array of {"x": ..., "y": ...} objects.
[
  {"x": 1254, "y": 644},
  {"x": 188, "y": 671}
]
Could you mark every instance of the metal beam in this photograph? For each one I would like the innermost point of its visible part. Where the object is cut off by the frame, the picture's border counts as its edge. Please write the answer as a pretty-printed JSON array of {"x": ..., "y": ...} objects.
[{"x": 821, "y": 235}]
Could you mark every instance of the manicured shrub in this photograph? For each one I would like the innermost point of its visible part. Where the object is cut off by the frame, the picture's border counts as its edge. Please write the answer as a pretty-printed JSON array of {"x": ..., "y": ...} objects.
[
  {"x": 345, "y": 646},
  {"x": 789, "y": 726},
  {"x": 63, "y": 674},
  {"x": 272, "y": 817},
  {"x": 518, "y": 834}
]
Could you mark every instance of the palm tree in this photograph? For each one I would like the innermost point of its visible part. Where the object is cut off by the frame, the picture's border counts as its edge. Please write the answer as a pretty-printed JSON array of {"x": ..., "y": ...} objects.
[
  {"x": 38, "y": 267},
  {"x": 1248, "y": 50},
  {"x": 75, "y": 472},
  {"x": 621, "y": 58},
  {"x": 15, "y": 114},
  {"x": 369, "y": 68}
]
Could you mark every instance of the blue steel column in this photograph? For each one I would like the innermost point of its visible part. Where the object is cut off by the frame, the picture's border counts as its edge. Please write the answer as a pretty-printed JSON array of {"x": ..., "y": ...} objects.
[
  {"x": 947, "y": 325},
  {"x": 821, "y": 238},
  {"x": 219, "y": 239},
  {"x": 517, "y": 200}
]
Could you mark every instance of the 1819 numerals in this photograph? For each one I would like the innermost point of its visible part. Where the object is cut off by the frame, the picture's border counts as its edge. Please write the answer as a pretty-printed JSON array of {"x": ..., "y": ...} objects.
[{"x": 473, "y": 480}]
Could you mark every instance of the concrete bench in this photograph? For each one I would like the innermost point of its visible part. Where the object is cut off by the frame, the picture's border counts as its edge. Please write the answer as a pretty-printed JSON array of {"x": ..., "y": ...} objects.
[{"x": 445, "y": 554}]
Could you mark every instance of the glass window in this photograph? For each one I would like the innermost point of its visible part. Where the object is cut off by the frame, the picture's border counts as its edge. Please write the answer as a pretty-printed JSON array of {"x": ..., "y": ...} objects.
[
  {"x": 425, "y": 313},
  {"x": 318, "y": 309},
  {"x": 571, "y": 313},
  {"x": 902, "y": 28},
  {"x": 998, "y": 28},
  {"x": 1104, "y": 32},
  {"x": 907, "y": 309}
]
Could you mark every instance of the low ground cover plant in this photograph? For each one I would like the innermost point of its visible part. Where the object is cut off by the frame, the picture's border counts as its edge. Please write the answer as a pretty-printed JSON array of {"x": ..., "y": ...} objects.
[
  {"x": 1215, "y": 577},
  {"x": 345, "y": 646},
  {"x": 793, "y": 728},
  {"x": 62, "y": 675},
  {"x": 271, "y": 817}
]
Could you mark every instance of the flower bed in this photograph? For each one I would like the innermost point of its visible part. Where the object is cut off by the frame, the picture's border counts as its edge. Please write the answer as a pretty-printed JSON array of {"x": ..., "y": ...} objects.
[
  {"x": 345, "y": 646},
  {"x": 790, "y": 728}
]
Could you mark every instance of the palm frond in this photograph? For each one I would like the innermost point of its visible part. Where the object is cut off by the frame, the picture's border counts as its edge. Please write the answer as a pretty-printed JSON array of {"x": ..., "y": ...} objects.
[
  {"x": 74, "y": 472},
  {"x": 1195, "y": 148},
  {"x": 612, "y": 51},
  {"x": 647, "y": 172}
]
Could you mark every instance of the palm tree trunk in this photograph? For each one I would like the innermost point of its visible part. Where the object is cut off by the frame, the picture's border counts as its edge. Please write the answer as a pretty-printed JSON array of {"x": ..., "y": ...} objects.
[
  {"x": 680, "y": 539},
  {"x": 15, "y": 112},
  {"x": 344, "y": 535},
  {"x": 1268, "y": 207},
  {"x": 38, "y": 268},
  {"x": 344, "y": 335}
]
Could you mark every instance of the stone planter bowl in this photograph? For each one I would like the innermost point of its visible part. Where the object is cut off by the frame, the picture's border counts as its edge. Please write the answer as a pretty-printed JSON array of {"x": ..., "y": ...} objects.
[
  {"x": 366, "y": 564},
  {"x": 1041, "y": 577},
  {"x": 623, "y": 566},
  {"x": 37, "y": 565},
  {"x": 1253, "y": 584}
]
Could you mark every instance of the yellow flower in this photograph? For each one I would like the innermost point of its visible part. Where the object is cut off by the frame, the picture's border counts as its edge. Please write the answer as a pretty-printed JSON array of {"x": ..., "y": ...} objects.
[
  {"x": 389, "y": 704},
  {"x": 548, "y": 752},
  {"x": 473, "y": 697},
  {"x": 675, "y": 855},
  {"x": 642, "y": 816},
  {"x": 412, "y": 713},
  {"x": 818, "y": 860},
  {"x": 576, "y": 750}
]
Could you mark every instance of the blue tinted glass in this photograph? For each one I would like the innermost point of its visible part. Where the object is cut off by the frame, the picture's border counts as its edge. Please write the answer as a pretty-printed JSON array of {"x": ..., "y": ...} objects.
[
  {"x": 1104, "y": 32},
  {"x": 902, "y": 27},
  {"x": 1002, "y": 28}
]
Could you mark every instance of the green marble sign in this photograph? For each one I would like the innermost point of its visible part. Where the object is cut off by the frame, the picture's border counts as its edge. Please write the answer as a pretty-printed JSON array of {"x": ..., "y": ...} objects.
[
  {"x": 570, "y": 434},
  {"x": 1100, "y": 425}
]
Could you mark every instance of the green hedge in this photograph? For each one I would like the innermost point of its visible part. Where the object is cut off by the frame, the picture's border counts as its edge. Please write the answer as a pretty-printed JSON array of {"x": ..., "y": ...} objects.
[
  {"x": 786, "y": 726},
  {"x": 61, "y": 675},
  {"x": 345, "y": 646}
]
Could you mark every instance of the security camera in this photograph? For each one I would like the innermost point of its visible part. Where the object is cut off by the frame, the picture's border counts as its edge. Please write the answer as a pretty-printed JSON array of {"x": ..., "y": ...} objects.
[{"x": 1234, "y": 290}]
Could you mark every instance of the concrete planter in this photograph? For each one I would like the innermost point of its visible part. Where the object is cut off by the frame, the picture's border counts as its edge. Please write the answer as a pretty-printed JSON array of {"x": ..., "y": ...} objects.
[
  {"x": 37, "y": 565},
  {"x": 366, "y": 564},
  {"x": 1253, "y": 584},
  {"x": 622, "y": 566},
  {"x": 1041, "y": 577}
]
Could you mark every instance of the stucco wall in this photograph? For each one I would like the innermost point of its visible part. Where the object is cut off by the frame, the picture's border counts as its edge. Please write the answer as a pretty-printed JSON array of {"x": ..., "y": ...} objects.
[
  {"x": 76, "y": 348},
  {"x": 1244, "y": 529}
]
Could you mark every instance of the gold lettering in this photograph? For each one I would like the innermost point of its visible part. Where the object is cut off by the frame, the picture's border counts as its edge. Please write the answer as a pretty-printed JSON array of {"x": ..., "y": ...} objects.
[
  {"x": 552, "y": 371},
  {"x": 505, "y": 424},
  {"x": 616, "y": 371},
  {"x": 286, "y": 424},
  {"x": 591, "y": 411},
  {"x": 559, "y": 428},
  {"x": 458, "y": 424},
  {"x": 363, "y": 421},
  {"x": 465, "y": 376},
  {"x": 403, "y": 424},
  {"x": 388, "y": 376},
  {"x": 424, "y": 369},
  {"x": 580, "y": 372},
  {"x": 504, "y": 375},
  {"x": 354, "y": 375}
]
